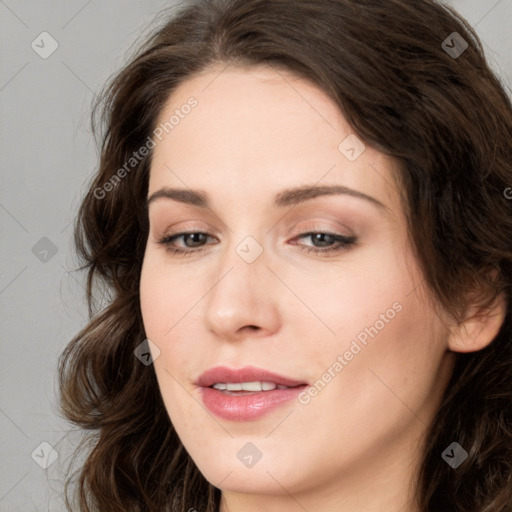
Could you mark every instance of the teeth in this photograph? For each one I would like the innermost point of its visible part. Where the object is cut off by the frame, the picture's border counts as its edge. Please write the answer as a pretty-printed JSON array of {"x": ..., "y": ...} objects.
[{"x": 247, "y": 386}]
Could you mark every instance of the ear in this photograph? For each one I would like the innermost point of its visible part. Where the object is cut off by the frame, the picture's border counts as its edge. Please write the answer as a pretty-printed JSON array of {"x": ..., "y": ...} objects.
[{"x": 479, "y": 328}]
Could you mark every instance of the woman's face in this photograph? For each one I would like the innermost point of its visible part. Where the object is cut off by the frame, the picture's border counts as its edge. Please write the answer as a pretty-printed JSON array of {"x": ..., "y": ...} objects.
[{"x": 268, "y": 285}]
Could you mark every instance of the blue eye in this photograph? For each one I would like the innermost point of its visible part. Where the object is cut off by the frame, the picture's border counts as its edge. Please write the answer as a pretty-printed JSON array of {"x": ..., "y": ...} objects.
[
  {"x": 194, "y": 242},
  {"x": 341, "y": 242},
  {"x": 197, "y": 237}
]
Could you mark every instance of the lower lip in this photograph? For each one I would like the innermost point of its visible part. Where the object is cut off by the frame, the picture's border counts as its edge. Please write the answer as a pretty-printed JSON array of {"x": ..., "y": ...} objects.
[{"x": 247, "y": 407}]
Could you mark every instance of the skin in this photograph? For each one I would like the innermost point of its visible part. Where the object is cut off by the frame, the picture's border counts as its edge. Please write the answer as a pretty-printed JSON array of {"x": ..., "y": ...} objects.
[{"x": 357, "y": 444}]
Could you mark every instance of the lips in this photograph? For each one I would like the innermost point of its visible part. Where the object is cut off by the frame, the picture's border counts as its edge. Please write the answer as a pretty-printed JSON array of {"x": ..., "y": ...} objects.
[
  {"x": 222, "y": 374},
  {"x": 232, "y": 402}
]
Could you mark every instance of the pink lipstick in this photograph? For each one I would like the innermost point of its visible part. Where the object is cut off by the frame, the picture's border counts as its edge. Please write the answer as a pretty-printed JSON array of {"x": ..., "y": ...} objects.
[{"x": 247, "y": 393}]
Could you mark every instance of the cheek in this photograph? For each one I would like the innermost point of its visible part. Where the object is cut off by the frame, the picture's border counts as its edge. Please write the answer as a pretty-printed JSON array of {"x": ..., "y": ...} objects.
[
  {"x": 387, "y": 364},
  {"x": 165, "y": 299},
  {"x": 365, "y": 295},
  {"x": 387, "y": 340},
  {"x": 167, "y": 311}
]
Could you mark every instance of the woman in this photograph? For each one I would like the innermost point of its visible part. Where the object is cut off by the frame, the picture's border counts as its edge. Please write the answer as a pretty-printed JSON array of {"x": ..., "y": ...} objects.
[{"x": 302, "y": 215}]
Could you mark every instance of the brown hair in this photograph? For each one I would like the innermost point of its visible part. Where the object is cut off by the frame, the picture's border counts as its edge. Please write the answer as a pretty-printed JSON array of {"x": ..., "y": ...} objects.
[{"x": 446, "y": 117}]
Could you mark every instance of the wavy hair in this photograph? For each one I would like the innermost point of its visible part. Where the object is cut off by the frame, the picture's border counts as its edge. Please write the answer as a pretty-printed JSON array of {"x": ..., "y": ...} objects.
[{"x": 446, "y": 117}]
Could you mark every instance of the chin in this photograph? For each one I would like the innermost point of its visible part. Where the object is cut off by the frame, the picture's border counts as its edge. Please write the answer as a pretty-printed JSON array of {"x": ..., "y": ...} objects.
[{"x": 227, "y": 472}]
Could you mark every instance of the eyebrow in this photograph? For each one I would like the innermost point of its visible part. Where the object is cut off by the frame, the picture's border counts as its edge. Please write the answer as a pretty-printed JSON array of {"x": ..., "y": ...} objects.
[{"x": 285, "y": 198}]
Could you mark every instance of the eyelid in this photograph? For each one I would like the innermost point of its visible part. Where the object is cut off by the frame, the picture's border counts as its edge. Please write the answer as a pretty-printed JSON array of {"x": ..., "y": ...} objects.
[
  {"x": 320, "y": 226},
  {"x": 300, "y": 227},
  {"x": 187, "y": 226}
]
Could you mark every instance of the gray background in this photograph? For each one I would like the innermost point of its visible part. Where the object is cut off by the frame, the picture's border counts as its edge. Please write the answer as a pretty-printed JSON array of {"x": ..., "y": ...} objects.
[{"x": 48, "y": 155}]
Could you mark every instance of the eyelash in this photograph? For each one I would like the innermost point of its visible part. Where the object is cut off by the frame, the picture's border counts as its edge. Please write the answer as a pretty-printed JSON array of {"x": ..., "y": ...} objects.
[{"x": 343, "y": 243}]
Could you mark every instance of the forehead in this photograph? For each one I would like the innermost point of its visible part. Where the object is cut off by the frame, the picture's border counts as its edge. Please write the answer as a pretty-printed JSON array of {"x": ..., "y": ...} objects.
[
  {"x": 260, "y": 128},
  {"x": 260, "y": 102}
]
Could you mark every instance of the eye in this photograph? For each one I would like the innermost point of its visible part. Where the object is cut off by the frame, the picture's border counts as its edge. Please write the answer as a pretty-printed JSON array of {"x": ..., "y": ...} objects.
[
  {"x": 194, "y": 238},
  {"x": 323, "y": 242},
  {"x": 327, "y": 240}
]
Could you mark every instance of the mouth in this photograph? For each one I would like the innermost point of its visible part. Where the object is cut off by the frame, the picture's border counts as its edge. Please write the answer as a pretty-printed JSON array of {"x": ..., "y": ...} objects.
[
  {"x": 245, "y": 394},
  {"x": 248, "y": 378},
  {"x": 247, "y": 388}
]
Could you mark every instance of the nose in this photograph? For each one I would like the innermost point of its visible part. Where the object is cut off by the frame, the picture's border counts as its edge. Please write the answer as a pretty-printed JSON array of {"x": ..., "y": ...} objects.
[{"x": 243, "y": 298}]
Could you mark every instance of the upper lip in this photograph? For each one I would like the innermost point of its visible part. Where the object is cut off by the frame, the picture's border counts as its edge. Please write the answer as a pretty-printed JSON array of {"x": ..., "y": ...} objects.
[{"x": 224, "y": 374}]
